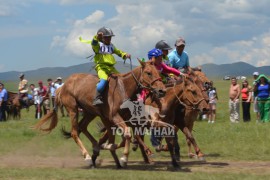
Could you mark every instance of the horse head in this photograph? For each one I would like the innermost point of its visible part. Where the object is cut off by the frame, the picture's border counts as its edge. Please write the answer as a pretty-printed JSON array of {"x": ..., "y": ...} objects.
[
  {"x": 191, "y": 96},
  {"x": 150, "y": 78},
  {"x": 201, "y": 81}
]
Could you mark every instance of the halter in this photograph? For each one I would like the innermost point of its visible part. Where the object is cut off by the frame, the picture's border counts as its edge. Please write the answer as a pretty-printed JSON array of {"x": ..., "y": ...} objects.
[{"x": 194, "y": 106}]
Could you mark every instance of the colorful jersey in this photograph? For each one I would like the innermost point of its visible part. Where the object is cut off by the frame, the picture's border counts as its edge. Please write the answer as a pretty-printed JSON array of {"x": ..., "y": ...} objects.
[
  {"x": 178, "y": 61},
  {"x": 164, "y": 69},
  {"x": 104, "y": 53}
]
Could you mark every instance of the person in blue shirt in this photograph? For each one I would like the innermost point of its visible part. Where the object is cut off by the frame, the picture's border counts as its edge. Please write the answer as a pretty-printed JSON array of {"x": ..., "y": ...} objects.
[
  {"x": 178, "y": 57},
  {"x": 4, "y": 96},
  {"x": 262, "y": 89}
]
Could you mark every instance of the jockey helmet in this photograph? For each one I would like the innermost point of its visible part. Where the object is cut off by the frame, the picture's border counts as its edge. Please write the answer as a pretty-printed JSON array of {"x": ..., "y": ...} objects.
[
  {"x": 106, "y": 31},
  {"x": 21, "y": 75},
  {"x": 163, "y": 45},
  {"x": 154, "y": 53}
]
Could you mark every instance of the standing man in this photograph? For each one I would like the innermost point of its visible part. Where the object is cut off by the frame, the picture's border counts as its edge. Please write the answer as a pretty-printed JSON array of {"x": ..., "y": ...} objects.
[
  {"x": 255, "y": 97},
  {"x": 23, "y": 90},
  {"x": 178, "y": 57},
  {"x": 51, "y": 90},
  {"x": 43, "y": 93},
  {"x": 57, "y": 84},
  {"x": 234, "y": 94},
  {"x": 4, "y": 95}
]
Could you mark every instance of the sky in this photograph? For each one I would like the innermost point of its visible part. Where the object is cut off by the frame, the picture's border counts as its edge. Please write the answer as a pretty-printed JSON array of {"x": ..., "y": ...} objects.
[{"x": 45, "y": 33}]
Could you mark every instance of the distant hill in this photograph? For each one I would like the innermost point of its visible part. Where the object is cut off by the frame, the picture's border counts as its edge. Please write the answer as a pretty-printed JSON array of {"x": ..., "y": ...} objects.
[
  {"x": 234, "y": 69},
  {"x": 211, "y": 70},
  {"x": 64, "y": 72}
]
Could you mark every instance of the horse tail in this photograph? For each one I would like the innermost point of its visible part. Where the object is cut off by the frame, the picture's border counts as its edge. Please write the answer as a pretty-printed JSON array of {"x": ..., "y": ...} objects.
[{"x": 52, "y": 117}]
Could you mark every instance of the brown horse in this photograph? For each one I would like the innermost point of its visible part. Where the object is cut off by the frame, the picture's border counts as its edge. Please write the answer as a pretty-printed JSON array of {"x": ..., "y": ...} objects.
[
  {"x": 185, "y": 119},
  {"x": 15, "y": 106},
  {"x": 79, "y": 91},
  {"x": 185, "y": 93}
]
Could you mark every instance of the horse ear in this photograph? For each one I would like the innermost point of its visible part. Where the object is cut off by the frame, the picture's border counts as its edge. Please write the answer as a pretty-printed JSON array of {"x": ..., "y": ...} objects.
[{"x": 141, "y": 62}]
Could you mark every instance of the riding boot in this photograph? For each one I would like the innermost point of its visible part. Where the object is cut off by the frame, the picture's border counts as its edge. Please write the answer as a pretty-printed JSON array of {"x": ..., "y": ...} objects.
[{"x": 98, "y": 100}]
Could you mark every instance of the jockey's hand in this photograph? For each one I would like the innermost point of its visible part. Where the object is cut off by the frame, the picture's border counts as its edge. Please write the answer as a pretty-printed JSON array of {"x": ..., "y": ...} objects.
[
  {"x": 99, "y": 36},
  {"x": 127, "y": 56}
]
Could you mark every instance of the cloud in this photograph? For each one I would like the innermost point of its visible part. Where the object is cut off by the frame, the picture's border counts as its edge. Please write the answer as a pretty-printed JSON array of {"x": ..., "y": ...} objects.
[{"x": 229, "y": 31}]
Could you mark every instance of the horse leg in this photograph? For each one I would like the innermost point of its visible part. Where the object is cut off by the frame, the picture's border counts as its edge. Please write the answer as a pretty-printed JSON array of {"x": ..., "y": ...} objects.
[
  {"x": 117, "y": 119},
  {"x": 170, "y": 143},
  {"x": 83, "y": 124},
  {"x": 146, "y": 152},
  {"x": 198, "y": 151},
  {"x": 74, "y": 128}
]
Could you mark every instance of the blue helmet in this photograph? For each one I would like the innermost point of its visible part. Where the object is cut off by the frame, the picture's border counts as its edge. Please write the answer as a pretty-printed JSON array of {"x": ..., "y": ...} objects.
[{"x": 154, "y": 53}]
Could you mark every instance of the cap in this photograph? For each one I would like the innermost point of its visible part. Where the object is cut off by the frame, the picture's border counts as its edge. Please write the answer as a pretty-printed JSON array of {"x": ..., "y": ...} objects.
[
  {"x": 21, "y": 75},
  {"x": 40, "y": 82},
  {"x": 180, "y": 41},
  {"x": 255, "y": 74},
  {"x": 59, "y": 78}
]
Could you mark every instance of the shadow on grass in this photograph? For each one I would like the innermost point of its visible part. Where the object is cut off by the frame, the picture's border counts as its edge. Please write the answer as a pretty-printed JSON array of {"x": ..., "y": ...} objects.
[{"x": 160, "y": 166}]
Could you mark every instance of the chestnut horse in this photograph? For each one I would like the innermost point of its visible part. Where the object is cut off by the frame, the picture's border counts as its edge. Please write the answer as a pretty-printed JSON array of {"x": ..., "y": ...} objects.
[
  {"x": 79, "y": 92},
  {"x": 185, "y": 119}
]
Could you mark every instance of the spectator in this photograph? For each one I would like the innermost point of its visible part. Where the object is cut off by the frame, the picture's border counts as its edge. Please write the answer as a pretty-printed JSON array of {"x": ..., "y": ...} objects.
[
  {"x": 51, "y": 89},
  {"x": 23, "y": 90},
  {"x": 57, "y": 84},
  {"x": 4, "y": 95},
  {"x": 43, "y": 93},
  {"x": 255, "y": 98},
  {"x": 1, "y": 101},
  {"x": 212, "y": 103},
  {"x": 34, "y": 93},
  {"x": 246, "y": 99},
  {"x": 262, "y": 88},
  {"x": 234, "y": 94}
]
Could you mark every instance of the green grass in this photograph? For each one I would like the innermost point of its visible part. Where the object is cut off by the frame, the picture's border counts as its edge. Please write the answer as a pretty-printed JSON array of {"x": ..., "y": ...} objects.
[{"x": 28, "y": 154}]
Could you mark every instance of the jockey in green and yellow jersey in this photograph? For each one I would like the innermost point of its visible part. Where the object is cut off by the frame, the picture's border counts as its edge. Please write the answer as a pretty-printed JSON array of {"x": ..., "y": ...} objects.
[
  {"x": 104, "y": 59},
  {"x": 164, "y": 47}
]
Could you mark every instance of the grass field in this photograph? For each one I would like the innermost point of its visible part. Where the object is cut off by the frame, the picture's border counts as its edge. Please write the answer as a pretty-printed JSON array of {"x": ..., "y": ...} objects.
[{"x": 233, "y": 151}]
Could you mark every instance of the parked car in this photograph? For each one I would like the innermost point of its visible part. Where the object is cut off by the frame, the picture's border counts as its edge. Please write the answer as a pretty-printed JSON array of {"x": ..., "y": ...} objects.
[
  {"x": 227, "y": 77},
  {"x": 241, "y": 77}
]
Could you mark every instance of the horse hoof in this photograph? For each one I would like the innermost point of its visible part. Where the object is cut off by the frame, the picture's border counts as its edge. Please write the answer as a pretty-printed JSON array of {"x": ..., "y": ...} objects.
[
  {"x": 201, "y": 158},
  {"x": 88, "y": 161},
  {"x": 123, "y": 162}
]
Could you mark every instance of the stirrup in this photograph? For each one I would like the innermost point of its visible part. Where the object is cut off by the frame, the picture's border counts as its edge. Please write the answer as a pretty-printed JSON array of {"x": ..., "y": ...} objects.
[{"x": 97, "y": 101}]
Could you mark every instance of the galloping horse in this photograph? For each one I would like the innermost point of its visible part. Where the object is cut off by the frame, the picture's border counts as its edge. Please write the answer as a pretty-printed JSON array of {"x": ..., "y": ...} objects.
[
  {"x": 79, "y": 91},
  {"x": 184, "y": 92},
  {"x": 185, "y": 119}
]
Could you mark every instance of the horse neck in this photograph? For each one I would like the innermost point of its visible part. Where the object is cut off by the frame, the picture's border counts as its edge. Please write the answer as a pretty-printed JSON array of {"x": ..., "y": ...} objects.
[{"x": 130, "y": 84}]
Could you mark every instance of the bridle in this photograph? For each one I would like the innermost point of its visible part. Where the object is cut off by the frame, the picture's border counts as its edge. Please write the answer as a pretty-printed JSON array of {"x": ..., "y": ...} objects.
[{"x": 149, "y": 84}]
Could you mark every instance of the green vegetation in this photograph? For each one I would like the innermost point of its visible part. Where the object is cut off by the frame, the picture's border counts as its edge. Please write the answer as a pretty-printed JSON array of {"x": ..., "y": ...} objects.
[{"x": 233, "y": 151}]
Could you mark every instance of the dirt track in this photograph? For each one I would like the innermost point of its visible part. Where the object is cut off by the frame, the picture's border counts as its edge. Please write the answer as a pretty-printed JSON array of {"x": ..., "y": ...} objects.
[{"x": 187, "y": 165}]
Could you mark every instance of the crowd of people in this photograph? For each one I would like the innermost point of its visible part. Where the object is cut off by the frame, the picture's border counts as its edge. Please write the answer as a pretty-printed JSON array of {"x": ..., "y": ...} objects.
[
  {"x": 258, "y": 93},
  {"x": 41, "y": 96}
]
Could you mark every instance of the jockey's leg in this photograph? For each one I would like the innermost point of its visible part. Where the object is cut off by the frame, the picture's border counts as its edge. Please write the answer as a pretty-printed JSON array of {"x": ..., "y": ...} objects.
[{"x": 100, "y": 88}]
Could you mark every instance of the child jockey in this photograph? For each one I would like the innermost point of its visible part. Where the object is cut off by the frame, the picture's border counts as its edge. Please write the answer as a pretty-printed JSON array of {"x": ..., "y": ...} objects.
[
  {"x": 155, "y": 55},
  {"x": 104, "y": 59},
  {"x": 164, "y": 47}
]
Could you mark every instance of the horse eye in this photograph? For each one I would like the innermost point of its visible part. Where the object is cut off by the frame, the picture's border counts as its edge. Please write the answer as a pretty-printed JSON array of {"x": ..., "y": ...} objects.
[{"x": 149, "y": 74}]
